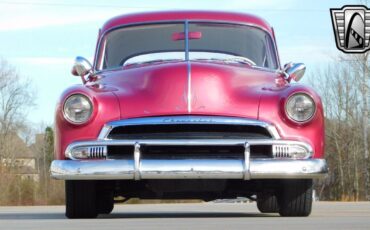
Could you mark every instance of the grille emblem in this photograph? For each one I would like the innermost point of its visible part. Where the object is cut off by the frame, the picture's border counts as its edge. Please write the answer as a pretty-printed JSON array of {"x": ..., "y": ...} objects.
[{"x": 187, "y": 120}]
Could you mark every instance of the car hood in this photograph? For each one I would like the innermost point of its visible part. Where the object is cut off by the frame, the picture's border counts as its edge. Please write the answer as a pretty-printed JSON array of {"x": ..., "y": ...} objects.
[{"x": 198, "y": 88}]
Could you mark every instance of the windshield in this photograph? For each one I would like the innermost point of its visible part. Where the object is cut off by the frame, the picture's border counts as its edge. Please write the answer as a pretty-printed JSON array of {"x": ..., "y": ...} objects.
[{"x": 207, "y": 41}]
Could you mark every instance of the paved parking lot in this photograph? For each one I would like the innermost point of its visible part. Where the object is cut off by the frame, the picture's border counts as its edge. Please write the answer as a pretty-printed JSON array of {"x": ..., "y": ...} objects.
[{"x": 325, "y": 215}]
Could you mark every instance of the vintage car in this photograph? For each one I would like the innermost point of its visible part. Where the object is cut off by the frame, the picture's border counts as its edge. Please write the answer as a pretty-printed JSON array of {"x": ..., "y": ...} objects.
[{"x": 188, "y": 105}]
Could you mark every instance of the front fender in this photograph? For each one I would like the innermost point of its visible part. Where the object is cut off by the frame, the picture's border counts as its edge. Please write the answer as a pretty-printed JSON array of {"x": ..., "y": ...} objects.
[
  {"x": 272, "y": 110},
  {"x": 106, "y": 108}
]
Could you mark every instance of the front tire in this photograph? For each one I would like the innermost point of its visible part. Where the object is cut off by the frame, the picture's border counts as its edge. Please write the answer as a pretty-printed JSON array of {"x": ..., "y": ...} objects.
[
  {"x": 295, "y": 198},
  {"x": 267, "y": 202},
  {"x": 105, "y": 202},
  {"x": 80, "y": 199}
]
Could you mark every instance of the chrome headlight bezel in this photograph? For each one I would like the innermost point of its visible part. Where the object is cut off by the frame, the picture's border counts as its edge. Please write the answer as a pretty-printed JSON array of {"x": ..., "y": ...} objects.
[
  {"x": 294, "y": 117},
  {"x": 87, "y": 103}
]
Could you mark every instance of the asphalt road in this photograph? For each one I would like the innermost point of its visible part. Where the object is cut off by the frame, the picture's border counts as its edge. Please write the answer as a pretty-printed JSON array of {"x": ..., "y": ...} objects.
[{"x": 325, "y": 215}]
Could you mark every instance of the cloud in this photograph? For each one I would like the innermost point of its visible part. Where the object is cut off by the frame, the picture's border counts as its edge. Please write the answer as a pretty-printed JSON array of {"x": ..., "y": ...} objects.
[
  {"x": 20, "y": 15},
  {"x": 28, "y": 16},
  {"x": 306, "y": 52},
  {"x": 43, "y": 60}
]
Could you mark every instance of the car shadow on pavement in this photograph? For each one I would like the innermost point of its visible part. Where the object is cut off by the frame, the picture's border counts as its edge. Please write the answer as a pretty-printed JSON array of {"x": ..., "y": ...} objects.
[
  {"x": 134, "y": 215},
  {"x": 31, "y": 216}
]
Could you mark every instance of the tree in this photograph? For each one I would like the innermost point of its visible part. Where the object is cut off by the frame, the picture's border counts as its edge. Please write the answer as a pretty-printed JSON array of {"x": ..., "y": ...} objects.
[
  {"x": 49, "y": 145},
  {"x": 344, "y": 89},
  {"x": 47, "y": 156},
  {"x": 16, "y": 98}
]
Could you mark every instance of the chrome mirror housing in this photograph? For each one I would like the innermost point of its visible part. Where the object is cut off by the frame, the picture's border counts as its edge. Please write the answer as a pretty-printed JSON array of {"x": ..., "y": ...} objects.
[
  {"x": 294, "y": 71},
  {"x": 81, "y": 67}
]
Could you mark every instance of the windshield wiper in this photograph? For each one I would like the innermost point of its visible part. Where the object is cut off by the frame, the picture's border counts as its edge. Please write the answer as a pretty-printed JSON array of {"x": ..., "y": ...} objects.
[
  {"x": 240, "y": 59},
  {"x": 151, "y": 61}
]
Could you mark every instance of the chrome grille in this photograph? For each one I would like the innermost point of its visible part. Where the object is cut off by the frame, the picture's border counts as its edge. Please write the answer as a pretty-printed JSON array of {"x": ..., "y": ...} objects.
[
  {"x": 188, "y": 131},
  {"x": 188, "y": 128}
]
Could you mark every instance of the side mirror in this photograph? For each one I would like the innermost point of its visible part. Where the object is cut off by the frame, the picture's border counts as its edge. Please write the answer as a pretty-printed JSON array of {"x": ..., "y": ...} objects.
[
  {"x": 81, "y": 67},
  {"x": 294, "y": 71}
]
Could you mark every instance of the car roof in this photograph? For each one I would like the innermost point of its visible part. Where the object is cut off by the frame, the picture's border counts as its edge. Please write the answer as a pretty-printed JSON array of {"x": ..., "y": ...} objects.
[{"x": 158, "y": 16}]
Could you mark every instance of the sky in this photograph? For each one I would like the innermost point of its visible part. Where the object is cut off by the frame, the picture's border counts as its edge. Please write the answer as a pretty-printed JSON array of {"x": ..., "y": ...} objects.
[{"x": 41, "y": 38}]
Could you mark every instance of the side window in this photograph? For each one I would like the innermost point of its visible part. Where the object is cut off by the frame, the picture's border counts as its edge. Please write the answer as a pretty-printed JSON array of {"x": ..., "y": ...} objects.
[{"x": 270, "y": 54}]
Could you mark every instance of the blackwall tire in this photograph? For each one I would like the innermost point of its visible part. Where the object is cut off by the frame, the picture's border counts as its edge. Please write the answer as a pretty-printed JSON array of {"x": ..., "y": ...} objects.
[
  {"x": 105, "y": 202},
  {"x": 267, "y": 203},
  {"x": 80, "y": 199},
  {"x": 295, "y": 198}
]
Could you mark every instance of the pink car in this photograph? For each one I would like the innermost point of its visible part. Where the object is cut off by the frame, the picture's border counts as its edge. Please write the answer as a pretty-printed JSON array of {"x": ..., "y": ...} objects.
[{"x": 188, "y": 105}]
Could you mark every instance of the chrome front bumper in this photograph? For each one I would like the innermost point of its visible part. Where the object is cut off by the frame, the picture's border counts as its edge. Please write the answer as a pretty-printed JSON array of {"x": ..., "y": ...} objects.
[
  {"x": 187, "y": 169},
  {"x": 137, "y": 167}
]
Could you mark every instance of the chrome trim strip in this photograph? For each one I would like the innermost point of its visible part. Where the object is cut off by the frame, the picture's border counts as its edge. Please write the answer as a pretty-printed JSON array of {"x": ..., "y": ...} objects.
[
  {"x": 187, "y": 142},
  {"x": 188, "y": 65},
  {"x": 165, "y": 120},
  {"x": 105, "y": 132},
  {"x": 186, "y": 24},
  {"x": 189, "y": 86},
  {"x": 137, "y": 161},
  {"x": 188, "y": 169},
  {"x": 247, "y": 161},
  {"x": 273, "y": 131}
]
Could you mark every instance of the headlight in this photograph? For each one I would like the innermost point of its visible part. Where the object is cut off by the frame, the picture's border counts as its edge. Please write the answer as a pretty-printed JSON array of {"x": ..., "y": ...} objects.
[
  {"x": 77, "y": 109},
  {"x": 300, "y": 107}
]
